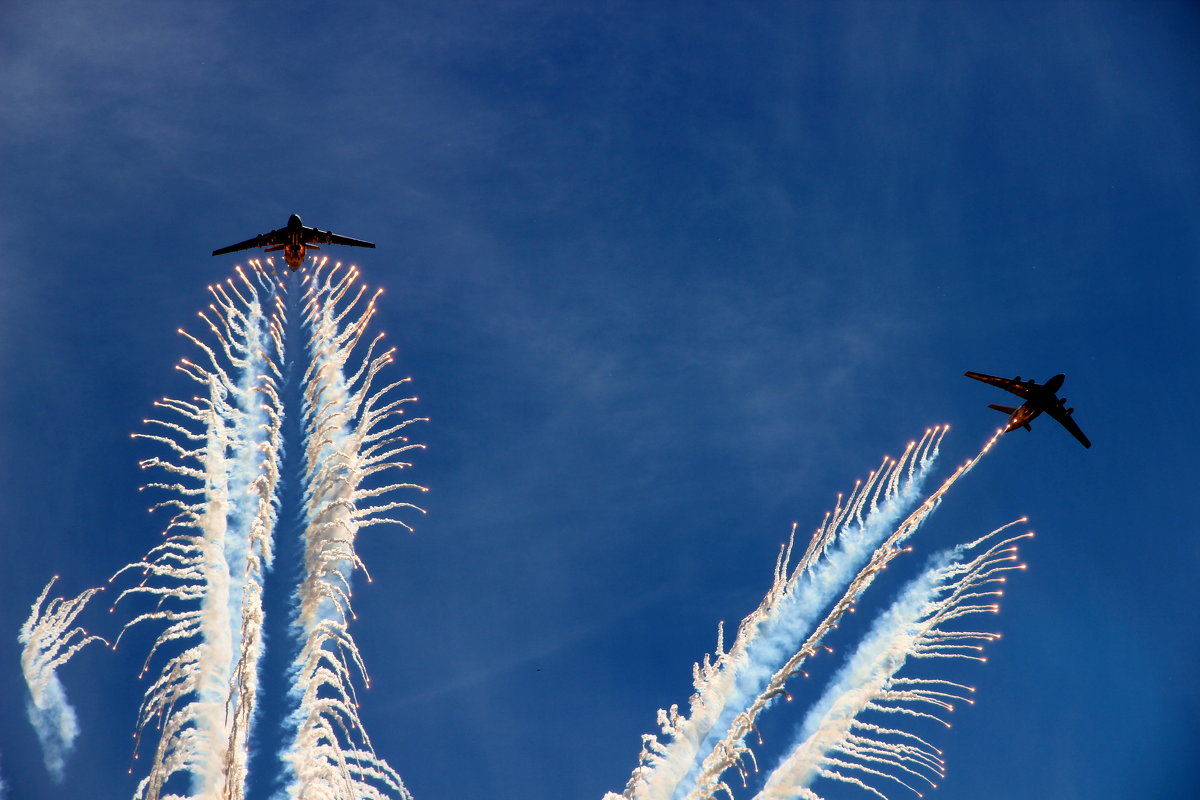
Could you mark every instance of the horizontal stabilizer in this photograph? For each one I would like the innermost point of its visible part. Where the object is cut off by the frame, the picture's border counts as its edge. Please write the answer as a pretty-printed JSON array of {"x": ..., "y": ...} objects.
[{"x": 1004, "y": 409}]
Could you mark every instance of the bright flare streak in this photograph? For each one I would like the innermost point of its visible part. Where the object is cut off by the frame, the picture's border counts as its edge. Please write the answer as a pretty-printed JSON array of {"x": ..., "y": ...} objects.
[
  {"x": 670, "y": 771},
  {"x": 708, "y": 740},
  {"x": 352, "y": 431},
  {"x": 207, "y": 573},
  {"x": 732, "y": 750},
  {"x": 205, "y": 579},
  {"x": 832, "y": 737},
  {"x": 48, "y": 641}
]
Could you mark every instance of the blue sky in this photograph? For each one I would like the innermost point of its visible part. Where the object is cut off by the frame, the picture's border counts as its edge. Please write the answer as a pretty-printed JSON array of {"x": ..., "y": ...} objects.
[{"x": 667, "y": 278}]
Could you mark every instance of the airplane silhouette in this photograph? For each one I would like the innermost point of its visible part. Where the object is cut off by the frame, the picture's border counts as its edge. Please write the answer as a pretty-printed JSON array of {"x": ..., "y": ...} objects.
[
  {"x": 294, "y": 239},
  {"x": 1038, "y": 397}
]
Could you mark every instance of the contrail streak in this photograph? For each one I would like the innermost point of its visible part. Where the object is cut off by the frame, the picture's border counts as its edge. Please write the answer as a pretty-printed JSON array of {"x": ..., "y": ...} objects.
[
  {"x": 352, "y": 432},
  {"x": 833, "y": 740},
  {"x": 48, "y": 641}
]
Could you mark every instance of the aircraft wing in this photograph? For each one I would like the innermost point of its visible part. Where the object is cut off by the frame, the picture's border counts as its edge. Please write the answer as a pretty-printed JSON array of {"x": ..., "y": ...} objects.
[
  {"x": 262, "y": 240},
  {"x": 317, "y": 236},
  {"x": 1068, "y": 422},
  {"x": 1007, "y": 384},
  {"x": 335, "y": 238}
]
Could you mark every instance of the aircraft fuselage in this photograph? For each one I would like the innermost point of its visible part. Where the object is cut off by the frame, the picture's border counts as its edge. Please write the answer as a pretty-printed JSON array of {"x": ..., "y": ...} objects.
[
  {"x": 294, "y": 249},
  {"x": 1038, "y": 398},
  {"x": 1042, "y": 399},
  {"x": 295, "y": 240}
]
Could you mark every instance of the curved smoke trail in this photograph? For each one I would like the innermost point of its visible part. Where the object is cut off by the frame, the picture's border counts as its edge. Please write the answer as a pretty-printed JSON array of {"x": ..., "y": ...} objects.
[
  {"x": 352, "y": 432},
  {"x": 706, "y": 744},
  {"x": 204, "y": 582},
  {"x": 833, "y": 738},
  {"x": 732, "y": 749},
  {"x": 205, "y": 579},
  {"x": 846, "y": 538},
  {"x": 48, "y": 641},
  {"x": 207, "y": 574}
]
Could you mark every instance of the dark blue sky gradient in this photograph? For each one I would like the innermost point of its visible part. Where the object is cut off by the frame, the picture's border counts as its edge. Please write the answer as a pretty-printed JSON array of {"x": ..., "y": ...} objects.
[{"x": 667, "y": 279}]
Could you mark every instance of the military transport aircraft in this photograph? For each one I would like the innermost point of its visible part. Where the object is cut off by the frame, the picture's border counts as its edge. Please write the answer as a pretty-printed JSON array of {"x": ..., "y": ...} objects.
[
  {"x": 294, "y": 239},
  {"x": 1038, "y": 397}
]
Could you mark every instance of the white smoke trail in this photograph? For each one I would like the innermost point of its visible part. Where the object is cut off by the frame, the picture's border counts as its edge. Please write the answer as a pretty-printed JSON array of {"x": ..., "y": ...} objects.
[
  {"x": 731, "y": 750},
  {"x": 205, "y": 579},
  {"x": 771, "y": 633},
  {"x": 352, "y": 432},
  {"x": 48, "y": 641},
  {"x": 833, "y": 738},
  {"x": 257, "y": 478},
  {"x": 217, "y": 545},
  {"x": 670, "y": 771}
]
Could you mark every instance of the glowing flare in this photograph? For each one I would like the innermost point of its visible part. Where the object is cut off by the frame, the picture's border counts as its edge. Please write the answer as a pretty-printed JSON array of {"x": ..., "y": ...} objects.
[
  {"x": 352, "y": 431},
  {"x": 224, "y": 451},
  {"x": 735, "y": 686},
  {"x": 48, "y": 641},
  {"x": 833, "y": 738}
]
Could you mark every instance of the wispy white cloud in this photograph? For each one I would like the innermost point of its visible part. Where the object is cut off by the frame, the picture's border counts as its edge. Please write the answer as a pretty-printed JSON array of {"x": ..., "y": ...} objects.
[{"x": 107, "y": 67}]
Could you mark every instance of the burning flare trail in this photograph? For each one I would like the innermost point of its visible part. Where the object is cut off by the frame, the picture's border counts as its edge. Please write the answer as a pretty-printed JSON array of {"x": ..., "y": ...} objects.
[
  {"x": 833, "y": 740},
  {"x": 203, "y": 584},
  {"x": 854, "y": 543},
  {"x": 206, "y": 576},
  {"x": 201, "y": 588},
  {"x": 48, "y": 641},
  {"x": 353, "y": 432},
  {"x": 772, "y": 632}
]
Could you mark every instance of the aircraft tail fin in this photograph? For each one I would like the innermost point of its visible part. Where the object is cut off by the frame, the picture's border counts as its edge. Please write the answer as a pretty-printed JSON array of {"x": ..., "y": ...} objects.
[{"x": 1003, "y": 409}]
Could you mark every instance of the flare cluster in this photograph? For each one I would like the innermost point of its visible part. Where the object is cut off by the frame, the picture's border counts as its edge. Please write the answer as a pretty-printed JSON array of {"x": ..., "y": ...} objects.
[
  {"x": 352, "y": 433},
  {"x": 864, "y": 533},
  {"x": 203, "y": 584}
]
